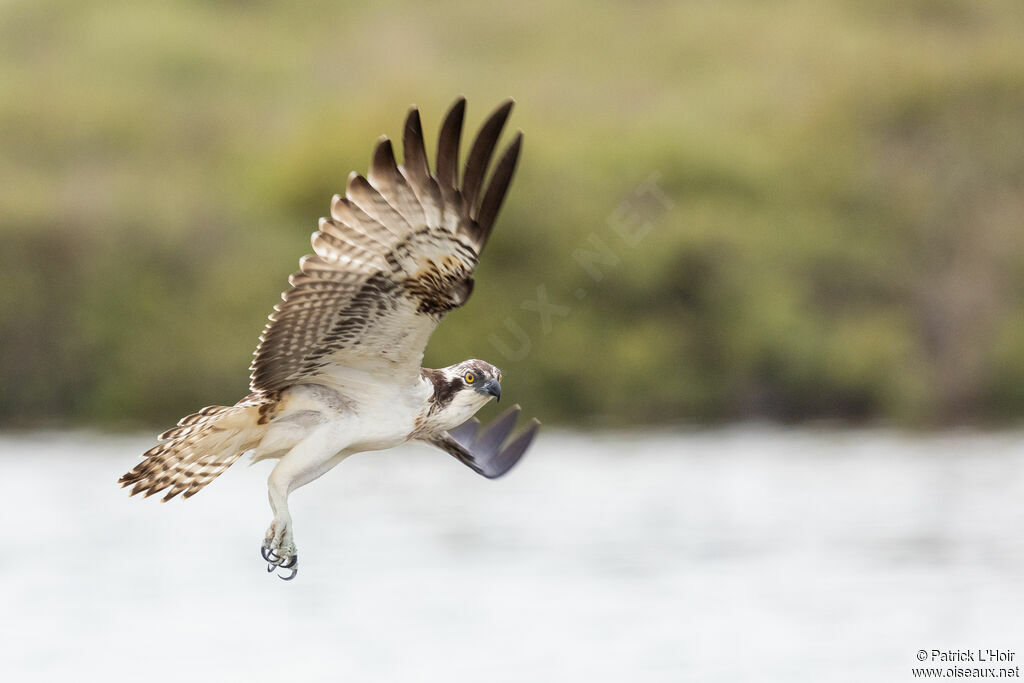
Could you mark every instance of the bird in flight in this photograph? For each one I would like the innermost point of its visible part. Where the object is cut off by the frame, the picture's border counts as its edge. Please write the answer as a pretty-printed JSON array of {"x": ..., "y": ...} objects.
[{"x": 337, "y": 370}]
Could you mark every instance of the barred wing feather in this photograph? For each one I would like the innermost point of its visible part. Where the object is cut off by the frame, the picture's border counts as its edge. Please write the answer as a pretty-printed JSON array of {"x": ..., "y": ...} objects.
[{"x": 396, "y": 254}]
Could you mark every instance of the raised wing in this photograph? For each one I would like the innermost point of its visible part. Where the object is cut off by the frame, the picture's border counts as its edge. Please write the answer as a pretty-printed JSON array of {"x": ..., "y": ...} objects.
[
  {"x": 396, "y": 254},
  {"x": 483, "y": 451}
]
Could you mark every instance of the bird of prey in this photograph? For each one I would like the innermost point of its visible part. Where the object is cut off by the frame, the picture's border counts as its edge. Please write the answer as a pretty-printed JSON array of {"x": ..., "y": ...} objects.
[{"x": 337, "y": 370}]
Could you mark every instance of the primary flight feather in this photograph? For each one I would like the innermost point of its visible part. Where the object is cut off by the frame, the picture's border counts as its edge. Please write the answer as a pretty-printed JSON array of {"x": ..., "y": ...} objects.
[{"x": 337, "y": 370}]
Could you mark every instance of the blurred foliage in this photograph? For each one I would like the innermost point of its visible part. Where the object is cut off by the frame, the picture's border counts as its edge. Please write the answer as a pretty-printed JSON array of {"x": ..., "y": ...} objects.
[{"x": 738, "y": 209}]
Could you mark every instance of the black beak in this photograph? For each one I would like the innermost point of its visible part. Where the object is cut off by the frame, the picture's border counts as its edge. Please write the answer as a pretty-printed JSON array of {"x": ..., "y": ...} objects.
[{"x": 492, "y": 388}]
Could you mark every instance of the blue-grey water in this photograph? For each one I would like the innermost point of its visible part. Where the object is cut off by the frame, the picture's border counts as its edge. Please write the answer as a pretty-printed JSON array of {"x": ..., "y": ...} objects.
[{"x": 743, "y": 554}]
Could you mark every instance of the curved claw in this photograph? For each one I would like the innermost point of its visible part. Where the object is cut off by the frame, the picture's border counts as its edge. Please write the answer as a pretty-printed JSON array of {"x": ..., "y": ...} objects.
[
  {"x": 294, "y": 566},
  {"x": 275, "y": 562}
]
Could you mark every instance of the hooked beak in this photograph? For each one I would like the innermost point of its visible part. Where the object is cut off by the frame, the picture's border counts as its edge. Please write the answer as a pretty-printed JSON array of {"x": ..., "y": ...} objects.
[{"x": 492, "y": 388}]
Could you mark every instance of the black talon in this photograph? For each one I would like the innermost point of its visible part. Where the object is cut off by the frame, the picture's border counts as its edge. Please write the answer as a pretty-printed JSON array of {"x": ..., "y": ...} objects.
[
  {"x": 275, "y": 561},
  {"x": 293, "y": 564}
]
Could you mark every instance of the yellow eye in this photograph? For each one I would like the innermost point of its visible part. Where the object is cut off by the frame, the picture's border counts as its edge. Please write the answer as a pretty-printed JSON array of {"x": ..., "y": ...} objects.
[
  {"x": 499, "y": 378},
  {"x": 469, "y": 377}
]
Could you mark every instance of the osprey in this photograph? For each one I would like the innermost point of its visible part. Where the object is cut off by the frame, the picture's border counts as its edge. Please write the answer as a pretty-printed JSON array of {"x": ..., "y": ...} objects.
[{"x": 337, "y": 370}]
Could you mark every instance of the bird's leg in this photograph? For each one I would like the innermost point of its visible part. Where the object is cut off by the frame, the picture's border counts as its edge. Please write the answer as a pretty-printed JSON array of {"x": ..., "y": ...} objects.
[
  {"x": 279, "y": 543},
  {"x": 309, "y": 459}
]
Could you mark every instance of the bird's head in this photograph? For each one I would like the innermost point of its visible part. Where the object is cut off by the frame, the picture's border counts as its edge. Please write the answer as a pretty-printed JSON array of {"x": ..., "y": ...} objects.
[{"x": 461, "y": 390}]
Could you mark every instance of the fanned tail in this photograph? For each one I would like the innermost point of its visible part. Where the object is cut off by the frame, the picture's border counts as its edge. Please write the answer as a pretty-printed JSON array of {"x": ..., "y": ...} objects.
[{"x": 197, "y": 451}]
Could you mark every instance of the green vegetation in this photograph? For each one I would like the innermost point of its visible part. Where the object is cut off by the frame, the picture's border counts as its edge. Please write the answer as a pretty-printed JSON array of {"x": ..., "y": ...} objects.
[{"x": 843, "y": 235}]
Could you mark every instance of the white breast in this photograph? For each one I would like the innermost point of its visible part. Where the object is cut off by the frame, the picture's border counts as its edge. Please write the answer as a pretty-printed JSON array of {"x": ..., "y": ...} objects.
[{"x": 378, "y": 413}]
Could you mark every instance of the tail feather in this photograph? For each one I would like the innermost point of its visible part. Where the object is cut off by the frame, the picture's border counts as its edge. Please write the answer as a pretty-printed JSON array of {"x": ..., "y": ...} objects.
[{"x": 196, "y": 451}]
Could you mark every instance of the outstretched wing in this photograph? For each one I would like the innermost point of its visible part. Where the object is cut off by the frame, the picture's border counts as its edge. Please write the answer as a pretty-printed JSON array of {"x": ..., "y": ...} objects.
[
  {"x": 482, "y": 451},
  {"x": 397, "y": 253}
]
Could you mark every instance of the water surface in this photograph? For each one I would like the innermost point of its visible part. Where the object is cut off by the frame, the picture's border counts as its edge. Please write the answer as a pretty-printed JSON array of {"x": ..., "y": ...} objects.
[{"x": 744, "y": 554}]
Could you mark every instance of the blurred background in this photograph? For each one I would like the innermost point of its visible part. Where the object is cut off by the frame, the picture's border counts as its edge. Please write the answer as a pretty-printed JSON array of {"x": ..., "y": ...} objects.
[
  {"x": 842, "y": 236},
  {"x": 758, "y": 261}
]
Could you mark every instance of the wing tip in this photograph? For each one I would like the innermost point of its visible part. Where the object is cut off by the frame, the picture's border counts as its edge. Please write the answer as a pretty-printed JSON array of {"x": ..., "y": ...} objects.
[
  {"x": 504, "y": 108},
  {"x": 454, "y": 116},
  {"x": 456, "y": 110},
  {"x": 383, "y": 168},
  {"x": 497, "y": 189},
  {"x": 413, "y": 124}
]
